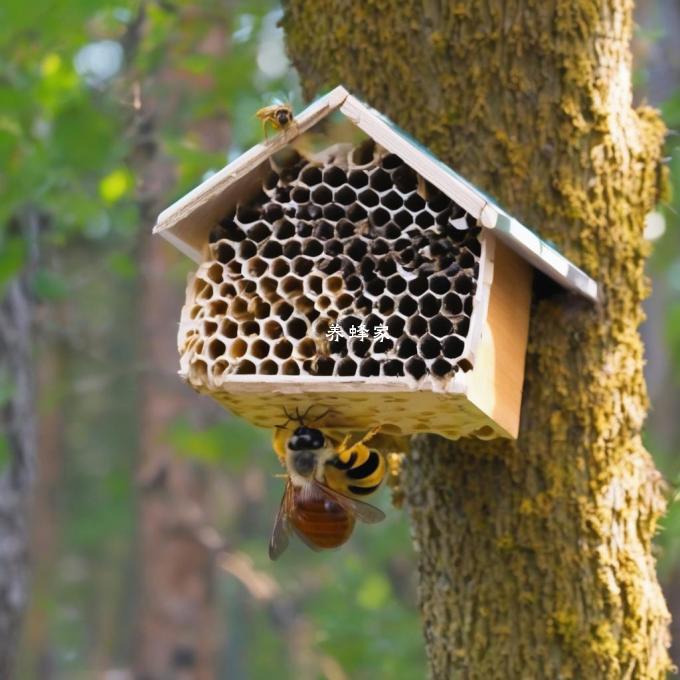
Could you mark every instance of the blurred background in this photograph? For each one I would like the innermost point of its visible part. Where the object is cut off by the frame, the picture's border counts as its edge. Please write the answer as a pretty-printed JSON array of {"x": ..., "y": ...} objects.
[{"x": 153, "y": 507}]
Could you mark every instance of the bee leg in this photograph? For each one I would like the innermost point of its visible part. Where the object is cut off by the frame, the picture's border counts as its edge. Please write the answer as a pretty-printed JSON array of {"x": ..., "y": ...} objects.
[{"x": 279, "y": 443}]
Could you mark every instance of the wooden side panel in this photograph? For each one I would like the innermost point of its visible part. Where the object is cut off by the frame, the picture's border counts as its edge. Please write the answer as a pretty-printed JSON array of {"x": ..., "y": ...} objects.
[{"x": 496, "y": 382}]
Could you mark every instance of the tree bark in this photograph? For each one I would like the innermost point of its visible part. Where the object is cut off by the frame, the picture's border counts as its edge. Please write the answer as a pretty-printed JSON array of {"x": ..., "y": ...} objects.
[
  {"x": 535, "y": 556},
  {"x": 18, "y": 452}
]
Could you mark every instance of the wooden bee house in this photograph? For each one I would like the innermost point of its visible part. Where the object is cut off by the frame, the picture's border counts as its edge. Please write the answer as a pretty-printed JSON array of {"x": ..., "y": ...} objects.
[{"x": 367, "y": 280}]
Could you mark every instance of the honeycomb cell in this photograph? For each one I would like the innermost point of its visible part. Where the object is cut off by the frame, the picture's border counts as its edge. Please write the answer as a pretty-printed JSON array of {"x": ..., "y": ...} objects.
[
  {"x": 259, "y": 349},
  {"x": 416, "y": 367},
  {"x": 357, "y": 179},
  {"x": 312, "y": 248},
  {"x": 440, "y": 326},
  {"x": 279, "y": 267},
  {"x": 311, "y": 175},
  {"x": 396, "y": 284},
  {"x": 248, "y": 328},
  {"x": 256, "y": 267},
  {"x": 346, "y": 367},
  {"x": 306, "y": 348},
  {"x": 356, "y": 213},
  {"x": 268, "y": 367},
  {"x": 440, "y": 367},
  {"x": 463, "y": 284},
  {"x": 290, "y": 367},
  {"x": 229, "y": 328},
  {"x": 246, "y": 214},
  {"x": 391, "y": 161},
  {"x": 393, "y": 368},
  {"x": 333, "y": 212},
  {"x": 285, "y": 229},
  {"x": 271, "y": 250},
  {"x": 291, "y": 286},
  {"x": 225, "y": 253},
  {"x": 296, "y": 328},
  {"x": 322, "y": 195},
  {"x": 452, "y": 347},
  {"x": 369, "y": 367},
  {"x": 369, "y": 198},
  {"x": 272, "y": 212},
  {"x": 408, "y": 306},
  {"x": 334, "y": 176},
  {"x": 429, "y": 305},
  {"x": 429, "y": 347},
  {"x": 238, "y": 348},
  {"x": 259, "y": 232},
  {"x": 245, "y": 367},
  {"x": 302, "y": 266},
  {"x": 380, "y": 180}
]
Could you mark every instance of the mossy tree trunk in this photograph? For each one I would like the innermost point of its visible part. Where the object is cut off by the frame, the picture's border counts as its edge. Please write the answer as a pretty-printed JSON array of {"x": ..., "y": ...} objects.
[{"x": 535, "y": 557}]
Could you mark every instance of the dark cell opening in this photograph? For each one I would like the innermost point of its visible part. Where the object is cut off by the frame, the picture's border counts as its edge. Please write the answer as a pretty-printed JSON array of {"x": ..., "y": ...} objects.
[
  {"x": 416, "y": 367},
  {"x": 247, "y": 214},
  {"x": 364, "y": 304},
  {"x": 369, "y": 367},
  {"x": 333, "y": 212},
  {"x": 345, "y": 229},
  {"x": 380, "y": 217},
  {"x": 358, "y": 179},
  {"x": 234, "y": 267},
  {"x": 418, "y": 286},
  {"x": 291, "y": 249},
  {"x": 453, "y": 304},
  {"x": 386, "y": 304},
  {"x": 466, "y": 260},
  {"x": 406, "y": 348},
  {"x": 356, "y": 249},
  {"x": 259, "y": 349},
  {"x": 268, "y": 367},
  {"x": 393, "y": 368},
  {"x": 272, "y": 212},
  {"x": 392, "y": 200},
  {"x": 474, "y": 246},
  {"x": 343, "y": 301},
  {"x": 405, "y": 179},
  {"x": 452, "y": 347},
  {"x": 380, "y": 180},
  {"x": 245, "y": 367},
  {"x": 463, "y": 284},
  {"x": 396, "y": 284},
  {"x": 296, "y": 328},
  {"x": 380, "y": 246},
  {"x": 468, "y": 305},
  {"x": 300, "y": 194},
  {"x": 391, "y": 161},
  {"x": 282, "y": 309},
  {"x": 323, "y": 230},
  {"x": 273, "y": 329},
  {"x": 225, "y": 253},
  {"x": 256, "y": 267},
  {"x": 395, "y": 326},
  {"x": 463, "y": 326},
  {"x": 439, "y": 284},
  {"x": 315, "y": 284},
  {"x": 387, "y": 266},
  {"x": 465, "y": 365},
  {"x": 302, "y": 266},
  {"x": 330, "y": 265},
  {"x": 322, "y": 195},
  {"x": 333, "y": 247},
  {"x": 424, "y": 219},
  {"x": 324, "y": 366},
  {"x": 311, "y": 175},
  {"x": 345, "y": 195},
  {"x": 417, "y": 326},
  {"x": 361, "y": 346},
  {"x": 439, "y": 202},
  {"x": 440, "y": 326},
  {"x": 353, "y": 282},
  {"x": 303, "y": 229},
  {"x": 285, "y": 230},
  {"x": 312, "y": 248},
  {"x": 356, "y": 213},
  {"x": 367, "y": 268},
  {"x": 216, "y": 349},
  {"x": 247, "y": 287},
  {"x": 441, "y": 367},
  {"x": 429, "y": 305},
  {"x": 334, "y": 176},
  {"x": 247, "y": 249},
  {"x": 348, "y": 322},
  {"x": 290, "y": 368},
  {"x": 429, "y": 347},
  {"x": 250, "y": 328},
  {"x": 279, "y": 267},
  {"x": 271, "y": 249},
  {"x": 229, "y": 329},
  {"x": 282, "y": 194},
  {"x": 407, "y": 305},
  {"x": 404, "y": 219},
  {"x": 375, "y": 287},
  {"x": 401, "y": 243},
  {"x": 216, "y": 233},
  {"x": 232, "y": 231},
  {"x": 369, "y": 198},
  {"x": 414, "y": 203},
  {"x": 347, "y": 367}
]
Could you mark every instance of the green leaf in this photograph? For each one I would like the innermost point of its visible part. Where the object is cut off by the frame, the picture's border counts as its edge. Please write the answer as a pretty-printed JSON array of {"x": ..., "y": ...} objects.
[
  {"x": 116, "y": 185},
  {"x": 12, "y": 256}
]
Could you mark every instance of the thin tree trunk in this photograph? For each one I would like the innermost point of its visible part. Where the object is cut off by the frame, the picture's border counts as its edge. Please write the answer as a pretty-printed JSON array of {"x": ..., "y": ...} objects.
[
  {"x": 176, "y": 621},
  {"x": 17, "y": 448},
  {"x": 534, "y": 556}
]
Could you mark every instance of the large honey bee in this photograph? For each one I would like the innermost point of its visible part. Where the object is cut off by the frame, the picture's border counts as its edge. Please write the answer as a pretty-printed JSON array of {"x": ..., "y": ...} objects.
[
  {"x": 279, "y": 116},
  {"x": 324, "y": 478}
]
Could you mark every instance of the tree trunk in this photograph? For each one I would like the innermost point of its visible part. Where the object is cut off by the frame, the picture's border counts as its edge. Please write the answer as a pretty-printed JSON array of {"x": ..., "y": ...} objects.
[
  {"x": 177, "y": 569},
  {"x": 17, "y": 448},
  {"x": 535, "y": 556}
]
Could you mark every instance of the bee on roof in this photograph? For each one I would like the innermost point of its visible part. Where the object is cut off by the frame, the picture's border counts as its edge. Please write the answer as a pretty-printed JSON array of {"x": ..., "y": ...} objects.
[{"x": 279, "y": 116}]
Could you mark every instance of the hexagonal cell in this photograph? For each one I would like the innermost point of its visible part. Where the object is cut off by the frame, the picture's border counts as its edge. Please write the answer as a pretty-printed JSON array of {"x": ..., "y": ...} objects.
[
  {"x": 407, "y": 306},
  {"x": 417, "y": 326},
  {"x": 256, "y": 267},
  {"x": 346, "y": 367},
  {"x": 259, "y": 232},
  {"x": 429, "y": 347},
  {"x": 268, "y": 367},
  {"x": 246, "y": 287},
  {"x": 396, "y": 284},
  {"x": 245, "y": 367},
  {"x": 312, "y": 248},
  {"x": 333, "y": 212},
  {"x": 452, "y": 347},
  {"x": 440, "y": 326},
  {"x": 356, "y": 213},
  {"x": 363, "y": 154},
  {"x": 415, "y": 367},
  {"x": 272, "y": 212},
  {"x": 271, "y": 250},
  {"x": 238, "y": 348},
  {"x": 282, "y": 309},
  {"x": 246, "y": 250},
  {"x": 217, "y": 308},
  {"x": 311, "y": 175},
  {"x": 357, "y": 179},
  {"x": 395, "y": 326},
  {"x": 259, "y": 349},
  {"x": 225, "y": 253},
  {"x": 306, "y": 348},
  {"x": 393, "y": 368},
  {"x": 429, "y": 305},
  {"x": 229, "y": 328},
  {"x": 249, "y": 328},
  {"x": 296, "y": 328},
  {"x": 322, "y": 195},
  {"x": 301, "y": 266},
  {"x": 369, "y": 198},
  {"x": 345, "y": 195},
  {"x": 283, "y": 349},
  {"x": 290, "y": 367},
  {"x": 216, "y": 348},
  {"x": 284, "y": 229},
  {"x": 440, "y": 367},
  {"x": 463, "y": 284},
  {"x": 246, "y": 214}
]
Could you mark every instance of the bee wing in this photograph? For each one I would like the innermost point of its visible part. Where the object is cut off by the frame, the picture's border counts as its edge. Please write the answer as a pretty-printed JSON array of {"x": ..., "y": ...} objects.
[
  {"x": 281, "y": 531},
  {"x": 363, "y": 511}
]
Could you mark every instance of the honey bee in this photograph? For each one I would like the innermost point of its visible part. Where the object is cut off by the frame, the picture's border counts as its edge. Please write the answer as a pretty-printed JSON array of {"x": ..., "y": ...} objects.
[
  {"x": 279, "y": 116},
  {"x": 324, "y": 478}
]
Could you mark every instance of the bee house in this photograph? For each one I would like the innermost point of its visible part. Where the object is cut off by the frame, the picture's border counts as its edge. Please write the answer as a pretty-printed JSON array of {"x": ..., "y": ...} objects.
[{"x": 340, "y": 266}]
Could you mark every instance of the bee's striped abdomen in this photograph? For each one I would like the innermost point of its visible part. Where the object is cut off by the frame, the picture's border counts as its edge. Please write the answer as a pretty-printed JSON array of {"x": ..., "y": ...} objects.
[{"x": 357, "y": 471}]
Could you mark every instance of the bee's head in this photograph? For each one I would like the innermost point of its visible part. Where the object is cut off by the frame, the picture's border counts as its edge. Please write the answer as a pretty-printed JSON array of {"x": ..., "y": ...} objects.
[
  {"x": 283, "y": 117},
  {"x": 304, "y": 446}
]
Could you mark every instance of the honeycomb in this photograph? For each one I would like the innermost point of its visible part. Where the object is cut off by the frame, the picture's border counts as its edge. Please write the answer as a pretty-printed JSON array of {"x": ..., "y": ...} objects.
[{"x": 350, "y": 266}]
